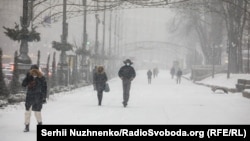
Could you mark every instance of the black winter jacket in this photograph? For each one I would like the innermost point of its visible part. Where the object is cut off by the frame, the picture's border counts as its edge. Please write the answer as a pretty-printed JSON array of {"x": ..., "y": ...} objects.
[
  {"x": 127, "y": 72},
  {"x": 36, "y": 91},
  {"x": 99, "y": 80}
]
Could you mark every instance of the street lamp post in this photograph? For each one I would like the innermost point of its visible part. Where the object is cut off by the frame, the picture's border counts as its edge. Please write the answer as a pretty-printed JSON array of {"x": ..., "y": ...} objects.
[
  {"x": 110, "y": 32},
  {"x": 213, "y": 56},
  {"x": 230, "y": 48},
  {"x": 248, "y": 46},
  {"x": 104, "y": 32},
  {"x": 96, "y": 33},
  {"x": 63, "y": 75},
  {"x": 25, "y": 22},
  {"x": 217, "y": 56},
  {"x": 228, "y": 58},
  {"x": 84, "y": 68}
]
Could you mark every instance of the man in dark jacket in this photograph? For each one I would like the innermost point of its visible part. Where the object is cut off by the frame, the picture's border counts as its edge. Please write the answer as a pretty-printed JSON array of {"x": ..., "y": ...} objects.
[
  {"x": 36, "y": 94},
  {"x": 172, "y": 72},
  {"x": 127, "y": 74},
  {"x": 149, "y": 73},
  {"x": 178, "y": 74}
]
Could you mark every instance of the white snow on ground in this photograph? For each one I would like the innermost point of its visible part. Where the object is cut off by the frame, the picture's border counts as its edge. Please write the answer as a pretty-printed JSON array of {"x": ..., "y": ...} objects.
[
  {"x": 162, "y": 102},
  {"x": 222, "y": 80}
]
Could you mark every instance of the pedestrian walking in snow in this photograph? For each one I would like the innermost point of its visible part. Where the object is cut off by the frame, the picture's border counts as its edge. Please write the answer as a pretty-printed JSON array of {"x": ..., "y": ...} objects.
[
  {"x": 36, "y": 94},
  {"x": 172, "y": 72},
  {"x": 155, "y": 72},
  {"x": 178, "y": 74},
  {"x": 100, "y": 79},
  {"x": 127, "y": 74},
  {"x": 149, "y": 74}
]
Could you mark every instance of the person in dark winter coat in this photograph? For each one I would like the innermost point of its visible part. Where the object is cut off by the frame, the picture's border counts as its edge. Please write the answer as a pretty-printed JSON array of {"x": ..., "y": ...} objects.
[
  {"x": 172, "y": 72},
  {"x": 36, "y": 94},
  {"x": 100, "y": 79},
  {"x": 155, "y": 72},
  {"x": 149, "y": 74},
  {"x": 178, "y": 74},
  {"x": 127, "y": 74}
]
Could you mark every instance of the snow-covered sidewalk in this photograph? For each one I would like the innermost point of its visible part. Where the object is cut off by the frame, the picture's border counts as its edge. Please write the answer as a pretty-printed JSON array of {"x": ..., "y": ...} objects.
[
  {"x": 223, "y": 81},
  {"x": 162, "y": 102}
]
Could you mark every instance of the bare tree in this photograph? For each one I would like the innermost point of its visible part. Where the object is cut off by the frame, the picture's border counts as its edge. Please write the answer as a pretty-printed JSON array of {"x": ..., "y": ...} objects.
[
  {"x": 205, "y": 25},
  {"x": 235, "y": 18},
  {"x": 210, "y": 19}
]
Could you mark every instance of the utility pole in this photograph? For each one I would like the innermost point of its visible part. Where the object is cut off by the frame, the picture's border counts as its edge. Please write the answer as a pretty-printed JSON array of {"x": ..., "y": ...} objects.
[
  {"x": 118, "y": 34},
  {"x": 63, "y": 77},
  {"x": 115, "y": 33},
  {"x": 84, "y": 46},
  {"x": 96, "y": 33},
  {"x": 247, "y": 55},
  {"x": 85, "y": 24},
  {"x": 213, "y": 56},
  {"x": 248, "y": 45},
  {"x": 104, "y": 25},
  {"x": 229, "y": 58},
  {"x": 110, "y": 64},
  {"x": 110, "y": 32}
]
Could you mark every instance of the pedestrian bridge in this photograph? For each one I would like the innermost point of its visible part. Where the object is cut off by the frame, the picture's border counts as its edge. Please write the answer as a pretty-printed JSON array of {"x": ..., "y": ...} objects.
[{"x": 155, "y": 49}]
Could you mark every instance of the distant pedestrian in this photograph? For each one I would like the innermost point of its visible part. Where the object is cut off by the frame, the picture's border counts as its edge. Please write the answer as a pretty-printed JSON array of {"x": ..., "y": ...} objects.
[
  {"x": 35, "y": 96},
  {"x": 155, "y": 72},
  {"x": 149, "y": 74},
  {"x": 172, "y": 72},
  {"x": 127, "y": 74},
  {"x": 178, "y": 74},
  {"x": 100, "y": 79}
]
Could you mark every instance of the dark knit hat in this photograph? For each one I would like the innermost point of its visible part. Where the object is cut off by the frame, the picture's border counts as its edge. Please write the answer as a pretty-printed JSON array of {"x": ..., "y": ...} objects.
[{"x": 34, "y": 67}]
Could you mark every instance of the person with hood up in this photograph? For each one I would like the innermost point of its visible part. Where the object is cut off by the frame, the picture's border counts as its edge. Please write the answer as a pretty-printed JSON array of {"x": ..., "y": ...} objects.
[
  {"x": 100, "y": 79},
  {"x": 127, "y": 74},
  {"x": 36, "y": 86}
]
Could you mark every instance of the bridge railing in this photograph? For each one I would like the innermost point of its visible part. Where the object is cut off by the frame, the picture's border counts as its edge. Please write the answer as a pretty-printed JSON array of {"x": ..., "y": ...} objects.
[{"x": 200, "y": 72}]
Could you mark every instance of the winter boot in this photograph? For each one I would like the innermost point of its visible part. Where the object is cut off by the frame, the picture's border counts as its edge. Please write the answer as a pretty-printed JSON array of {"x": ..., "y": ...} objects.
[
  {"x": 99, "y": 96},
  {"x": 26, "y": 129},
  {"x": 124, "y": 104}
]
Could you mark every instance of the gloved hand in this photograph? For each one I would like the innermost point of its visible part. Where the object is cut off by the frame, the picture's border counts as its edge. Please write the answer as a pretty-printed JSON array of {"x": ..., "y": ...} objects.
[
  {"x": 29, "y": 77},
  {"x": 44, "y": 101}
]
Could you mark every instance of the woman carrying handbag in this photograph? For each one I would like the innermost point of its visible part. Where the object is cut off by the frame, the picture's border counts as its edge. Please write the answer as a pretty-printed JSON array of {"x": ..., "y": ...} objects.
[{"x": 100, "y": 80}]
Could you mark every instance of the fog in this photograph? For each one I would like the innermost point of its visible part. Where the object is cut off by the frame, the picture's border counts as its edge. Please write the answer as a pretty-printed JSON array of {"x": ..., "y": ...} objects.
[{"x": 136, "y": 27}]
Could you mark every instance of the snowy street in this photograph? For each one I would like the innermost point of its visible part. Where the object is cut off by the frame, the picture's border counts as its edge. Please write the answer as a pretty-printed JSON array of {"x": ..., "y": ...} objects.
[
  {"x": 57, "y": 55},
  {"x": 162, "y": 102}
]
